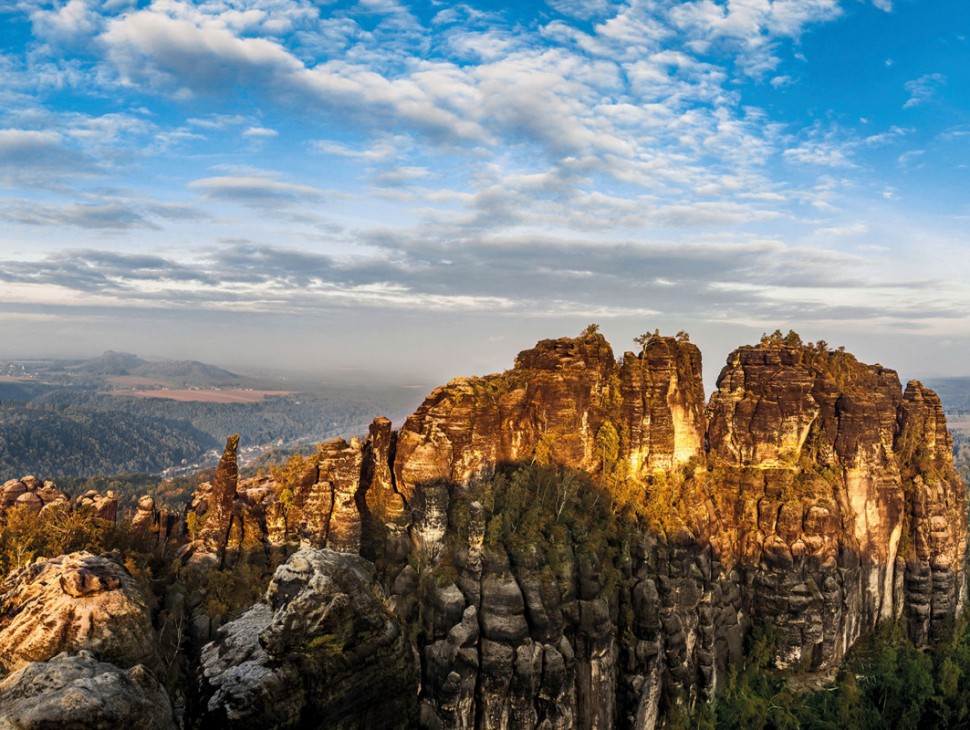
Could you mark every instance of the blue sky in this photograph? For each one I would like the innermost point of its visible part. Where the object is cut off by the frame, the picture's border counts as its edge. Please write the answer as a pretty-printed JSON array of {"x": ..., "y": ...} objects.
[{"x": 427, "y": 188}]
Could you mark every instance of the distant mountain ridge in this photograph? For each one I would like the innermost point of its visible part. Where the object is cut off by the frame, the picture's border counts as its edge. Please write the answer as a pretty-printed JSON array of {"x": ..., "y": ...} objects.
[{"x": 189, "y": 372}]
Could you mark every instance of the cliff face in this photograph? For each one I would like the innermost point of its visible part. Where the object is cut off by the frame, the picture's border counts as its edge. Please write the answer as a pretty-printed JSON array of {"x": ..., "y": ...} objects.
[
  {"x": 846, "y": 459},
  {"x": 812, "y": 494},
  {"x": 560, "y": 403}
]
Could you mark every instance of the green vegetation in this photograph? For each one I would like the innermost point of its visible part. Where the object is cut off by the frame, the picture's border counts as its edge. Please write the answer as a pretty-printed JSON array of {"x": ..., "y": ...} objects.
[
  {"x": 886, "y": 683},
  {"x": 59, "y": 529},
  {"x": 311, "y": 416},
  {"x": 54, "y": 440},
  {"x": 792, "y": 339},
  {"x": 551, "y": 517},
  {"x": 646, "y": 338}
]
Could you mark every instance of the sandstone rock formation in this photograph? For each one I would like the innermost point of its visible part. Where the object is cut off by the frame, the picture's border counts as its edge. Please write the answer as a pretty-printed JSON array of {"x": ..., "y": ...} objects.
[
  {"x": 81, "y": 693},
  {"x": 71, "y": 603},
  {"x": 29, "y": 492},
  {"x": 812, "y": 504},
  {"x": 321, "y": 651},
  {"x": 561, "y": 397},
  {"x": 576, "y": 542},
  {"x": 216, "y": 503},
  {"x": 163, "y": 523},
  {"x": 812, "y": 494},
  {"x": 341, "y": 486},
  {"x": 820, "y": 448},
  {"x": 105, "y": 507}
]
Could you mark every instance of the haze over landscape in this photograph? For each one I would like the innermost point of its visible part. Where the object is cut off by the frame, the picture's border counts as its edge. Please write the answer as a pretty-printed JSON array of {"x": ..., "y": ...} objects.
[{"x": 293, "y": 185}]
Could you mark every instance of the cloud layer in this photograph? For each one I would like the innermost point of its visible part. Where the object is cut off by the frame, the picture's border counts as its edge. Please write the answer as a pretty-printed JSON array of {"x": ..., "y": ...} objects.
[{"x": 698, "y": 162}]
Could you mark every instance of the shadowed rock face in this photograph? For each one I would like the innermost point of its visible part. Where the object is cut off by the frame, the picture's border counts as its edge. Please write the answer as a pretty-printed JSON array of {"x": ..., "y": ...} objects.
[
  {"x": 812, "y": 494},
  {"x": 321, "y": 651},
  {"x": 80, "y": 692},
  {"x": 935, "y": 581}
]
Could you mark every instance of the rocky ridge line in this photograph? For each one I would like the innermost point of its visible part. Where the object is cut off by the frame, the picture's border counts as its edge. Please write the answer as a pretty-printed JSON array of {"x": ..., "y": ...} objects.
[{"x": 812, "y": 494}]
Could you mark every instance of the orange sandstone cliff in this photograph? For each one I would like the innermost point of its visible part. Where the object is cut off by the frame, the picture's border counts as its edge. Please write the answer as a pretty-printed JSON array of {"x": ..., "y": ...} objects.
[{"x": 812, "y": 494}]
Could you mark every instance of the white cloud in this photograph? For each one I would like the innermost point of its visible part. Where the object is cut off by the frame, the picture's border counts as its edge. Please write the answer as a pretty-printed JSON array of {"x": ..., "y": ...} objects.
[
  {"x": 852, "y": 229},
  {"x": 401, "y": 175},
  {"x": 380, "y": 151},
  {"x": 750, "y": 28},
  {"x": 821, "y": 153},
  {"x": 504, "y": 146},
  {"x": 75, "y": 22},
  {"x": 907, "y": 158},
  {"x": 256, "y": 190},
  {"x": 923, "y": 89},
  {"x": 110, "y": 217},
  {"x": 260, "y": 133},
  {"x": 33, "y": 158}
]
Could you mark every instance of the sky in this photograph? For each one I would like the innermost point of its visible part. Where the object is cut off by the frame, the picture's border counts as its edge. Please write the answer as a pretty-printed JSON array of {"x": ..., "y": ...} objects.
[{"x": 424, "y": 189}]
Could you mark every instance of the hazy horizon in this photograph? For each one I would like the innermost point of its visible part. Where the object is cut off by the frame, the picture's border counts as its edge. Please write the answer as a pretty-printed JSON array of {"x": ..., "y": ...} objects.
[
  {"x": 424, "y": 190},
  {"x": 498, "y": 357}
]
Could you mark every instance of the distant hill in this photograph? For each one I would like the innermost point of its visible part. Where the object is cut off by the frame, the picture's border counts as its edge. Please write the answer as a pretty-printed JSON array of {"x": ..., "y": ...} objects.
[
  {"x": 121, "y": 364},
  {"x": 116, "y": 413},
  {"x": 189, "y": 372},
  {"x": 23, "y": 390},
  {"x": 110, "y": 363}
]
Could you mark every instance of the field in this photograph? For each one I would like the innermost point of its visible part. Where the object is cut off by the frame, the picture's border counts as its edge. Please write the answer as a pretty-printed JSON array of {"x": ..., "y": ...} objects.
[
  {"x": 214, "y": 395},
  {"x": 135, "y": 381}
]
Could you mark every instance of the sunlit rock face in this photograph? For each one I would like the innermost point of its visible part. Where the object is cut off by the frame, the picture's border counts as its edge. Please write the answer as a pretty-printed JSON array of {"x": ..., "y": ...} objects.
[
  {"x": 838, "y": 526},
  {"x": 29, "y": 493},
  {"x": 814, "y": 514},
  {"x": 662, "y": 405},
  {"x": 74, "y": 602},
  {"x": 553, "y": 405}
]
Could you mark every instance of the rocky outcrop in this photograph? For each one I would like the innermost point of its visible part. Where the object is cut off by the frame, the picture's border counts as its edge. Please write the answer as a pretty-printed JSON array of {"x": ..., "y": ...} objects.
[
  {"x": 30, "y": 493},
  {"x": 935, "y": 580},
  {"x": 564, "y": 402},
  {"x": 812, "y": 494},
  {"x": 340, "y": 488},
  {"x": 828, "y": 504},
  {"x": 216, "y": 502},
  {"x": 812, "y": 447},
  {"x": 321, "y": 651},
  {"x": 163, "y": 523},
  {"x": 71, "y": 603},
  {"x": 105, "y": 507},
  {"x": 662, "y": 405},
  {"x": 82, "y": 693}
]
